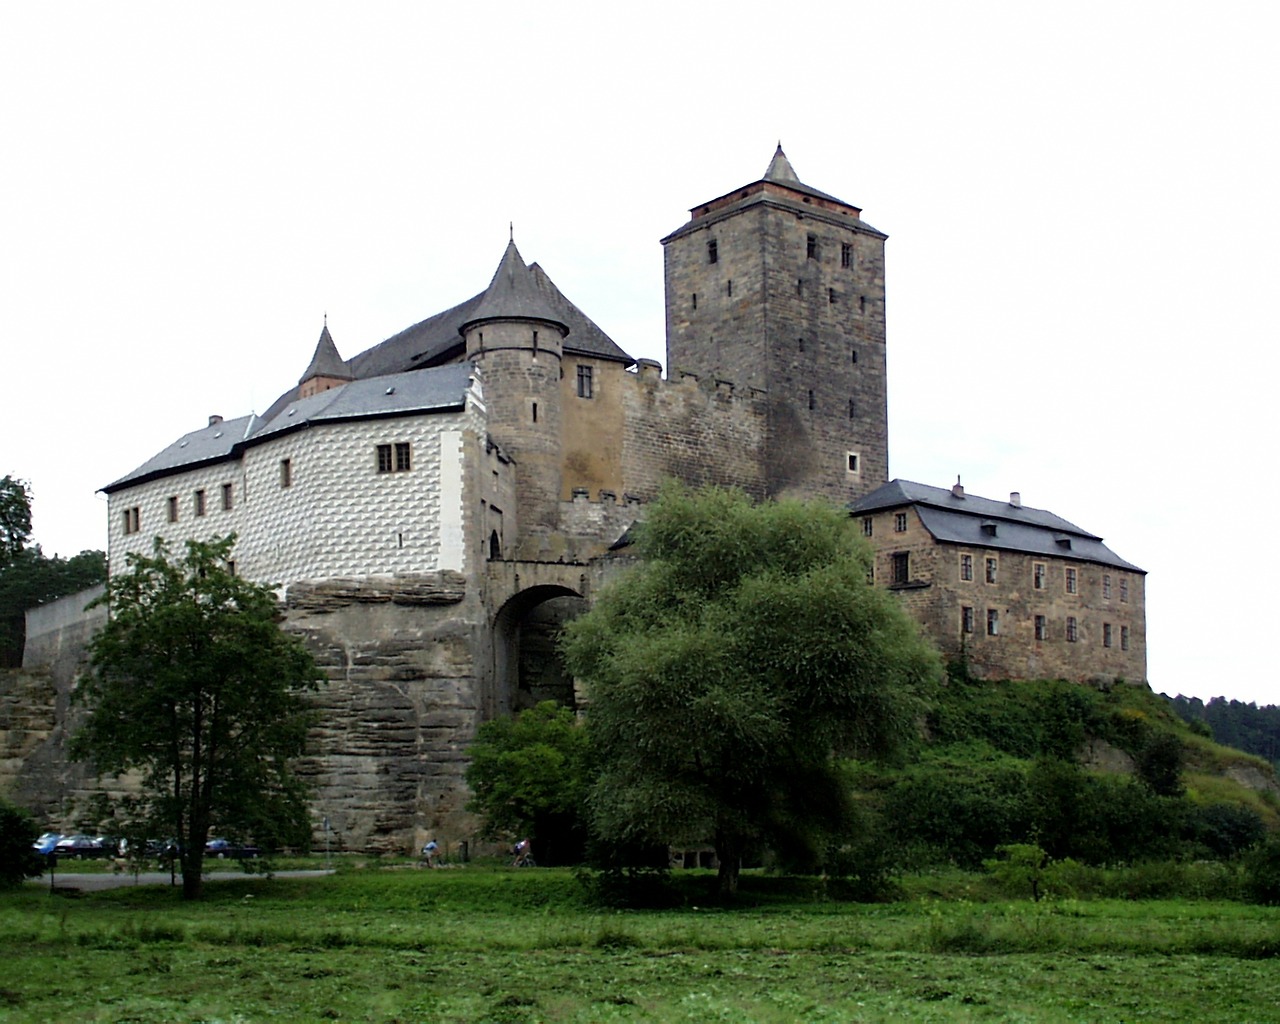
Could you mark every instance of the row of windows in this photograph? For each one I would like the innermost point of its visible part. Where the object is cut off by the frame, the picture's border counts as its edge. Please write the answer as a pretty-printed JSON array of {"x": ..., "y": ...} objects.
[
  {"x": 1039, "y": 577},
  {"x": 1071, "y": 630},
  {"x": 812, "y": 251}
]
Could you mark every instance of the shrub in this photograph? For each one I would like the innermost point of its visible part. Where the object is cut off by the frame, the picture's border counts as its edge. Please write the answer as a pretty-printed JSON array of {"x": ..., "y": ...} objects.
[
  {"x": 1262, "y": 874},
  {"x": 18, "y": 860}
]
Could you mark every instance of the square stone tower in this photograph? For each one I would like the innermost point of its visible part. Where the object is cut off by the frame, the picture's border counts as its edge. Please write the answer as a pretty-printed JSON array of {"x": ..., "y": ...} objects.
[{"x": 779, "y": 288}]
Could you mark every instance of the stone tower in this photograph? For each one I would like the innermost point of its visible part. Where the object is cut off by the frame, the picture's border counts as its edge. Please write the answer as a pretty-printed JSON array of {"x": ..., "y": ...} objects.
[
  {"x": 516, "y": 339},
  {"x": 780, "y": 288}
]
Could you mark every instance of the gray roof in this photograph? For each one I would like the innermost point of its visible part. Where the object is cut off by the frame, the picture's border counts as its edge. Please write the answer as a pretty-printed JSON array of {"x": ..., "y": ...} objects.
[
  {"x": 400, "y": 394},
  {"x": 953, "y": 519},
  {"x": 326, "y": 362},
  {"x": 779, "y": 172},
  {"x": 513, "y": 294}
]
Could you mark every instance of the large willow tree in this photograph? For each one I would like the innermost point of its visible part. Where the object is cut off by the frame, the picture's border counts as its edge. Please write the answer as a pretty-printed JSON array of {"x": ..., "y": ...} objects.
[{"x": 731, "y": 670}]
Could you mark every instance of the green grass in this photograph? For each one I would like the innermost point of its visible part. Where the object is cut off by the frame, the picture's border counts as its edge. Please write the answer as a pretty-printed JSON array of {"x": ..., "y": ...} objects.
[{"x": 514, "y": 946}]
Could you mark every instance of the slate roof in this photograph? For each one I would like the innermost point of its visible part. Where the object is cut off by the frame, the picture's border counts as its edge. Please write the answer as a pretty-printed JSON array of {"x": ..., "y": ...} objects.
[
  {"x": 326, "y": 362},
  {"x": 513, "y": 294},
  {"x": 960, "y": 520},
  {"x": 401, "y": 394}
]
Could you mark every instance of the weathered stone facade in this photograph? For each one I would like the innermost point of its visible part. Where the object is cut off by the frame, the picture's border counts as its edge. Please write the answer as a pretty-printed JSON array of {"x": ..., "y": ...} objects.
[{"x": 434, "y": 508}]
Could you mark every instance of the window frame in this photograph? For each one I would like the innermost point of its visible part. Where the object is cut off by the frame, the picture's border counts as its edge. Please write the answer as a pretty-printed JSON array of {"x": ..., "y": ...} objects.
[
  {"x": 1039, "y": 571},
  {"x": 228, "y": 497},
  {"x": 900, "y": 562},
  {"x": 1071, "y": 580},
  {"x": 199, "y": 504},
  {"x": 993, "y": 622},
  {"x": 967, "y": 620},
  {"x": 991, "y": 569},
  {"x": 1073, "y": 629},
  {"x": 1041, "y": 628},
  {"x": 966, "y": 568}
]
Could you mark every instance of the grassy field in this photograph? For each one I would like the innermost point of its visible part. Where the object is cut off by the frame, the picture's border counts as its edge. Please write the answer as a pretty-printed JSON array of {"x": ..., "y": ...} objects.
[{"x": 497, "y": 945}]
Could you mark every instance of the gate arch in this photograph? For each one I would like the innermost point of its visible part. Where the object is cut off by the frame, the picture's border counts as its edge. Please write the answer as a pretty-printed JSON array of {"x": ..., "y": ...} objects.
[{"x": 526, "y": 667}]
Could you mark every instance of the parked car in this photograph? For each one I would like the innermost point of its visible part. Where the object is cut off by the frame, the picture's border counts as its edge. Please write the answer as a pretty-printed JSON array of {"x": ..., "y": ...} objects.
[
  {"x": 82, "y": 846},
  {"x": 225, "y": 849},
  {"x": 47, "y": 843}
]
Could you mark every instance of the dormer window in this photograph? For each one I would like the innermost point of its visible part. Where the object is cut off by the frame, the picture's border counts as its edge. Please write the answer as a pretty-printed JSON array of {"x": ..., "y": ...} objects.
[{"x": 989, "y": 528}]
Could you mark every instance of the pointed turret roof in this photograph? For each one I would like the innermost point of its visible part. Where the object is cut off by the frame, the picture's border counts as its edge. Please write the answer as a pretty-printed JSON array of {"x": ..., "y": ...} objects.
[
  {"x": 513, "y": 294},
  {"x": 326, "y": 362},
  {"x": 780, "y": 168}
]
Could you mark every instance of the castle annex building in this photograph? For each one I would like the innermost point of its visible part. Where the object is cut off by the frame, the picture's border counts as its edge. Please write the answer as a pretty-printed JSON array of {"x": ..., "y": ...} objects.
[{"x": 435, "y": 505}]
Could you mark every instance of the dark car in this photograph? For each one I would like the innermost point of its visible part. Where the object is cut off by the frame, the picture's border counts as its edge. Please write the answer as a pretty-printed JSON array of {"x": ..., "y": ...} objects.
[
  {"x": 82, "y": 846},
  {"x": 225, "y": 849}
]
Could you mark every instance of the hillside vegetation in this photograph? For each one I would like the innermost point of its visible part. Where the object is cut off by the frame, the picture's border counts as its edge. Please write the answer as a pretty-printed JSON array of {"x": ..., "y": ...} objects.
[{"x": 1103, "y": 776}]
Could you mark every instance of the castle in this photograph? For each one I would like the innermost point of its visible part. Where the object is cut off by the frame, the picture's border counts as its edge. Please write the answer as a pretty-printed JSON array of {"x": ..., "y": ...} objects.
[{"x": 436, "y": 505}]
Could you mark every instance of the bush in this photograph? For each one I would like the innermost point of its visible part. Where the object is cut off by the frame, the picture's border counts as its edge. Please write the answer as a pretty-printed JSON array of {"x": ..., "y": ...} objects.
[
  {"x": 1262, "y": 874},
  {"x": 18, "y": 861},
  {"x": 1226, "y": 830}
]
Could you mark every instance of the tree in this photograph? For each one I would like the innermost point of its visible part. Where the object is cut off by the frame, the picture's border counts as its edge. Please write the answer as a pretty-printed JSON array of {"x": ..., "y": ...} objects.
[
  {"x": 529, "y": 778},
  {"x": 33, "y": 579},
  {"x": 193, "y": 682},
  {"x": 15, "y": 518},
  {"x": 18, "y": 860},
  {"x": 727, "y": 673}
]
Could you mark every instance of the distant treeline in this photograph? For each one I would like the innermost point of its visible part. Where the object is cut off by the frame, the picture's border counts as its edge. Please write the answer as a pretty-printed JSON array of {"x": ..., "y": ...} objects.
[{"x": 1247, "y": 727}]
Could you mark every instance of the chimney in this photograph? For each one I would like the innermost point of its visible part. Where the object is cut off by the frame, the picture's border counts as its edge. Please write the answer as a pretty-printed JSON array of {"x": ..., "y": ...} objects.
[
  {"x": 214, "y": 420},
  {"x": 957, "y": 491},
  {"x": 1015, "y": 499}
]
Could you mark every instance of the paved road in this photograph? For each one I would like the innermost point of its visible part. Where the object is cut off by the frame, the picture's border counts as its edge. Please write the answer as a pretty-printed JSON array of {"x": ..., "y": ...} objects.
[{"x": 75, "y": 880}]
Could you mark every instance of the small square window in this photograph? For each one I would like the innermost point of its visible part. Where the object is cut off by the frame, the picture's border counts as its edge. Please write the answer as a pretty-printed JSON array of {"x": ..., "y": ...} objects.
[
  {"x": 286, "y": 472},
  {"x": 1042, "y": 628},
  {"x": 1073, "y": 582},
  {"x": 900, "y": 522},
  {"x": 901, "y": 566},
  {"x": 867, "y": 525},
  {"x": 132, "y": 520},
  {"x": 198, "y": 503},
  {"x": 846, "y": 255},
  {"x": 228, "y": 497},
  {"x": 993, "y": 622},
  {"x": 1072, "y": 629},
  {"x": 993, "y": 567},
  {"x": 966, "y": 620},
  {"x": 966, "y": 568},
  {"x": 173, "y": 508},
  {"x": 854, "y": 462},
  {"x": 1037, "y": 575}
]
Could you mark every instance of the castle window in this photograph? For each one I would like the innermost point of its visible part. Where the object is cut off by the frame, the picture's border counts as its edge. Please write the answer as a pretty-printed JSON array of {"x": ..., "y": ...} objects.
[
  {"x": 1073, "y": 630},
  {"x": 846, "y": 255},
  {"x": 799, "y": 286},
  {"x": 901, "y": 566},
  {"x": 993, "y": 567},
  {"x": 535, "y": 341},
  {"x": 402, "y": 456},
  {"x": 173, "y": 508},
  {"x": 813, "y": 402},
  {"x": 800, "y": 343},
  {"x": 231, "y": 567},
  {"x": 1106, "y": 586},
  {"x": 535, "y": 412},
  {"x": 132, "y": 520},
  {"x": 854, "y": 463},
  {"x": 900, "y": 522},
  {"x": 966, "y": 619},
  {"x": 713, "y": 252},
  {"x": 584, "y": 382},
  {"x": 286, "y": 472},
  {"x": 811, "y": 247},
  {"x": 1073, "y": 584},
  {"x": 728, "y": 288},
  {"x": 852, "y": 409},
  {"x": 395, "y": 458},
  {"x": 966, "y": 568},
  {"x": 862, "y": 303},
  {"x": 1124, "y": 589},
  {"x": 1037, "y": 575},
  {"x": 384, "y": 458},
  {"x": 831, "y": 296},
  {"x": 868, "y": 524},
  {"x": 227, "y": 497},
  {"x": 853, "y": 355},
  {"x": 695, "y": 300},
  {"x": 198, "y": 502},
  {"x": 993, "y": 622},
  {"x": 495, "y": 546},
  {"x": 1042, "y": 628},
  {"x": 1124, "y": 638},
  {"x": 1106, "y": 634}
]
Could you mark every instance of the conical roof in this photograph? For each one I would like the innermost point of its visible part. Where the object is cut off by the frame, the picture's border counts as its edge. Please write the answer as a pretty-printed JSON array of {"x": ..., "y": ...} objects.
[
  {"x": 513, "y": 294},
  {"x": 326, "y": 362},
  {"x": 780, "y": 168}
]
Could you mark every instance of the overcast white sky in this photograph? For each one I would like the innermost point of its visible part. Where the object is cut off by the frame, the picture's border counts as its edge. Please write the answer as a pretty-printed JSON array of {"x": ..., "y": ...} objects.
[{"x": 1081, "y": 202}]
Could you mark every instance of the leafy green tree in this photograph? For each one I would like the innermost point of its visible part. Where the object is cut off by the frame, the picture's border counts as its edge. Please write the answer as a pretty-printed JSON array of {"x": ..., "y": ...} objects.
[
  {"x": 730, "y": 669},
  {"x": 529, "y": 777},
  {"x": 15, "y": 518},
  {"x": 17, "y": 858},
  {"x": 32, "y": 579},
  {"x": 193, "y": 682}
]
